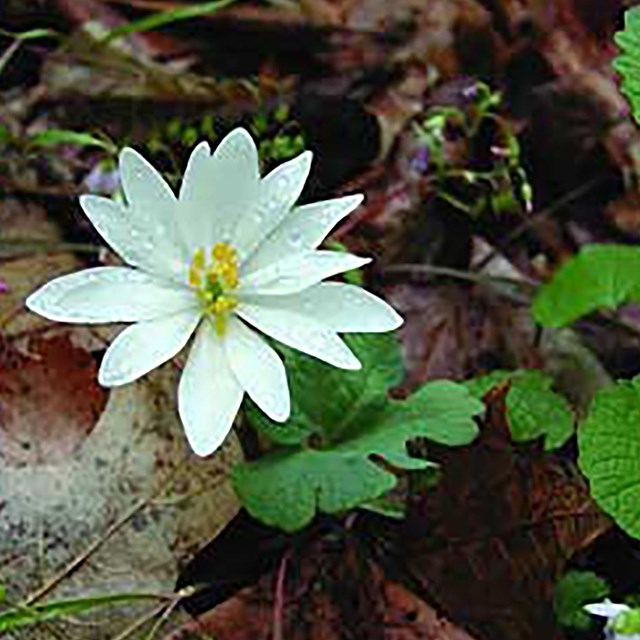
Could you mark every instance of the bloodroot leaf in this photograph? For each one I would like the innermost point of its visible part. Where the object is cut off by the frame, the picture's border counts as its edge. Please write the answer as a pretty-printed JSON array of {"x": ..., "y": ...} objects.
[{"x": 287, "y": 488}]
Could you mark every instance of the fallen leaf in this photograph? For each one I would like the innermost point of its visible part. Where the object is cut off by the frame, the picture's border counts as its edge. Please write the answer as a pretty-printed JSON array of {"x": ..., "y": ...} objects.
[
  {"x": 116, "y": 506},
  {"x": 49, "y": 401},
  {"x": 326, "y": 589},
  {"x": 488, "y": 543}
]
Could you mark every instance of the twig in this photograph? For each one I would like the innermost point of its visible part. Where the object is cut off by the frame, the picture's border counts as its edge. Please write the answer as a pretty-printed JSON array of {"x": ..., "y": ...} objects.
[
  {"x": 278, "y": 605},
  {"x": 478, "y": 278},
  {"x": 140, "y": 622}
]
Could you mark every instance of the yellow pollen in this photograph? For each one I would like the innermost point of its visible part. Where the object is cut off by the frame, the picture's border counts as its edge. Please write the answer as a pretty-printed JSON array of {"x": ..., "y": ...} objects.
[
  {"x": 224, "y": 304},
  {"x": 199, "y": 260},
  {"x": 220, "y": 324},
  {"x": 214, "y": 281}
]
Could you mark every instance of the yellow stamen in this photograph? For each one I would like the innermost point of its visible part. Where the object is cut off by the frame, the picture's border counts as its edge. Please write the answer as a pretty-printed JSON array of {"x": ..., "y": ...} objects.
[
  {"x": 214, "y": 281},
  {"x": 199, "y": 260},
  {"x": 195, "y": 277},
  {"x": 220, "y": 324},
  {"x": 224, "y": 304}
]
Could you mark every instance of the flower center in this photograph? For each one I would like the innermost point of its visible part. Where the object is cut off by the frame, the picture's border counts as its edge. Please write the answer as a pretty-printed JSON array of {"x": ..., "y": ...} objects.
[{"x": 214, "y": 279}]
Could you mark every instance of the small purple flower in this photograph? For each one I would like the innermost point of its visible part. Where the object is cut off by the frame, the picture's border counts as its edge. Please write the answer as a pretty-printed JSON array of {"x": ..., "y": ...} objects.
[
  {"x": 470, "y": 92},
  {"x": 420, "y": 162},
  {"x": 4, "y": 287},
  {"x": 101, "y": 180}
]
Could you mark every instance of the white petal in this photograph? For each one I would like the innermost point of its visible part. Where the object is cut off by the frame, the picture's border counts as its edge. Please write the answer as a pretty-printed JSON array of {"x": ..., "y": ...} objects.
[
  {"x": 279, "y": 191},
  {"x": 152, "y": 245},
  {"x": 302, "y": 230},
  {"x": 297, "y": 272},
  {"x": 145, "y": 346},
  {"x": 109, "y": 294},
  {"x": 343, "y": 308},
  {"x": 259, "y": 369},
  {"x": 301, "y": 333},
  {"x": 148, "y": 194},
  {"x": 209, "y": 395},
  {"x": 606, "y": 609},
  {"x": 218, "y": 190}
]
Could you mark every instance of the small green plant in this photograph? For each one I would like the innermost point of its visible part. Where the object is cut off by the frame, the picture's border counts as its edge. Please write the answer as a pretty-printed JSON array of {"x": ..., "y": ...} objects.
[
  {"x": 500, "y": 185},
  {"x": 279, "y": 135},
  {"x": 333, "y": 456},
  {"x": 534, "y": 410},
  {"x": 572, "y": 592}
]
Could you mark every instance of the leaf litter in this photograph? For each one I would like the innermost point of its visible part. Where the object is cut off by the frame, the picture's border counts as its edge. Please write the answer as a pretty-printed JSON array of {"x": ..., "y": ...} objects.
[{"x": 97, "y": 491}]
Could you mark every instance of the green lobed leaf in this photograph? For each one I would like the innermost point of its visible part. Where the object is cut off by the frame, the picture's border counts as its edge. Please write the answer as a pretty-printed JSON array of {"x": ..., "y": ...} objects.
[
  {"x": 600, "y": 275},
  {"x": 16, "y": 618},
  {"x": 533, "y": 408},
  {"x": 312, "y": 383},
  {"x": 572, "y": 592},
  {"x": 609, "y": 446},
  {"x": 627, "y": 64},
  {"x": 287, "y": 488}
]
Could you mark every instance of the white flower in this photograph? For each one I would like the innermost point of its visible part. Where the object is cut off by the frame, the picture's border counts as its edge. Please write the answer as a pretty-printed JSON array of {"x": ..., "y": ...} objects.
[
  {"x": 614, "y": 612},
  {"x": 230, "y": 251},
  {"x": 606, "y": 609}
]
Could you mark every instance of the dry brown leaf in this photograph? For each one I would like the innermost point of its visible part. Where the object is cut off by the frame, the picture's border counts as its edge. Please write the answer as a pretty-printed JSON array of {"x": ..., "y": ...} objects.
[
  {"x": 113, "y": 505},
  {"x": 49, "y": 401},
  {"x": 488, "y": 543},
  {"x": 328, "y": 590}
]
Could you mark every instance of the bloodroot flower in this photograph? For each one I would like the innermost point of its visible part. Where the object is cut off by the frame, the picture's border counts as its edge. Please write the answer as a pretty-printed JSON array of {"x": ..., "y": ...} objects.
[
  {"x": 229, "y": 259},
  {"x": 623, "y": 622}
]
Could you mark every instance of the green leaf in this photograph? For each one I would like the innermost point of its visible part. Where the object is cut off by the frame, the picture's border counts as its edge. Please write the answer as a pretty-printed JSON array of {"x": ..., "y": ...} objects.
[
  {"x": 625, "y": 624},
  {"x": 572, "y": 592},
  {"x": 15, "y": 618},
  {"x": 627, "y": 64},
  {"x": 55, "y": 137},
  {"x": 533, "y": 408},
  {"x": 600, "y": 275},
  {"x": 287, "y": 488},
  {"x": 18, "y": 39},
  {"x": 609, "y": 444},
  {"x": 326, "y": 399},
  {"x": 163, "y": 18}
]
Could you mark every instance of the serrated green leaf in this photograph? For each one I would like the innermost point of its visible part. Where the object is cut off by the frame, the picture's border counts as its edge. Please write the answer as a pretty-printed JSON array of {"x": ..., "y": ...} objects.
[
  {"x": 609, "y": 444},
  {"x": 326, "y": 399},
  {"x": 533, "y": 408},
  {"x": 600, "y": 275},
  {"x": 572, "y": 592},
  {"x": 56, "y": 137},
  {"x": 627, "y": 64},
  {"x": 16, "y": 618},
  {"x": 286, "y": 489}
]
